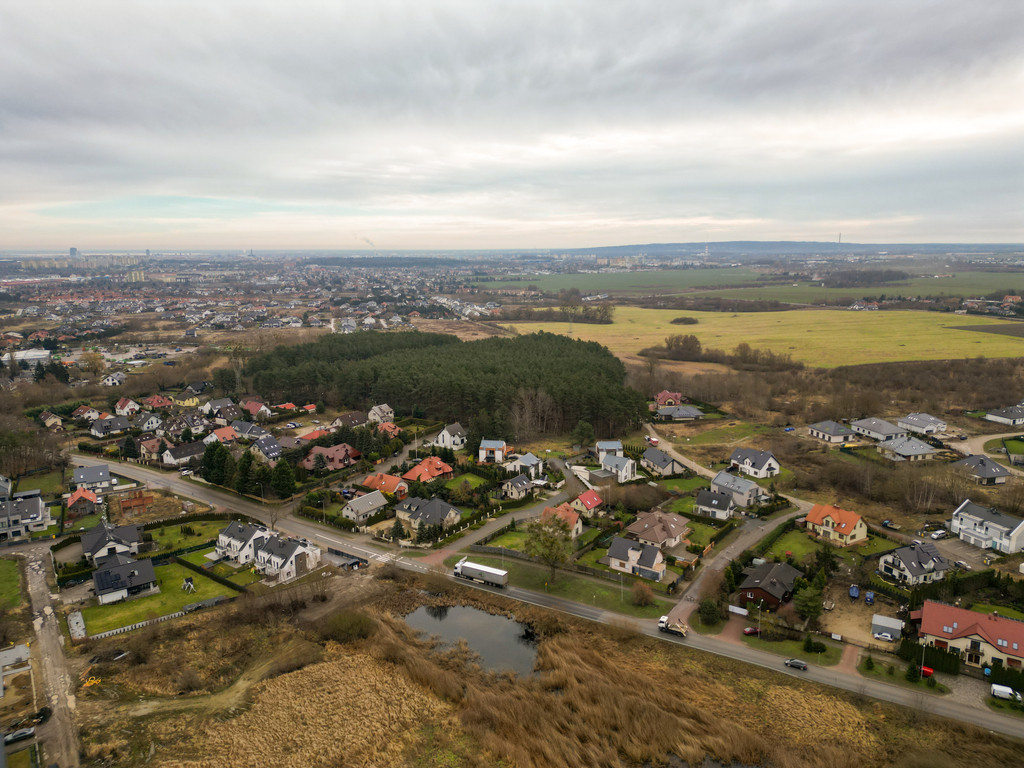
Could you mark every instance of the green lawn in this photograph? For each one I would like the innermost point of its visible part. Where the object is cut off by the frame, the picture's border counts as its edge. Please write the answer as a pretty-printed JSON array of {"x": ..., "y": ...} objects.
[
  {"x": 100, "y": 618},
  {"x": 87, "y": 522},
  {"x": 1009, "y": 613},
  {"x": 588, "y": 535},
  {"x": 47, "y": 482},
  {"x": 999, "y": 705},
  {"x": 701, "y": 628},
  {"x": 681, "y": 506},
  {"x": 729, "y": 432},
  {"x": 47, "y": 532},
  {"x": 510, "y": 540},
  {"x": 475, "y": 481},
  {"x": 685, "y": 484},
  {"x": 169, "y": 537},
  {"x": 572, "y": 587},
  {"x": 701, "y": 533},
  {"x": 873, "y": 545},
  {"x": 898, "y": 677},
  {"x": 794, "y": 649},
  {"x": 24, "y": 758},
  {"x": 797, "y": 542},
  {"x": 10, "y": 584}
]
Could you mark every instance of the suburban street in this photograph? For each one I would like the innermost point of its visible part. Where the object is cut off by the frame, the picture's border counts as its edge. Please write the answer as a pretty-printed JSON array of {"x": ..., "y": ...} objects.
[{"x": 749, "y": 533}]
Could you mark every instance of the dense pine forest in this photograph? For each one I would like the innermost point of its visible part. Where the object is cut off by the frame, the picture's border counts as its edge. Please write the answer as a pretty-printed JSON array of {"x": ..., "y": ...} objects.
[{"x": 536, "y": 384}]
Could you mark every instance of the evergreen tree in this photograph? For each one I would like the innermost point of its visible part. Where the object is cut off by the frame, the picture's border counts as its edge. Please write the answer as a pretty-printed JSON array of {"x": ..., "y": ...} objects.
[
  {"x": 186, "y": 435},
  {"x": 211, "y": 465},
  {"x": 282, "y": 479},
  {"x": 397, "y": 530},
  {"x": 243, "y": 473}
]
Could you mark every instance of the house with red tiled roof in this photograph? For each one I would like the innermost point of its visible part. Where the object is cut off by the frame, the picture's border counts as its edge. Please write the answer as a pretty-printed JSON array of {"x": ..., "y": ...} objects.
[
  {"x": 389, "y": 428},
  {"x": 157, "y": 402},
  {"x": 838, "y": 526},
  {"x": 286, "y": 407},
  {"x": 226, "y": 435},
  {"x": 81, "y": 503},
  {"x": 431, "y": 468},
  {"x": 665, "y": 398},
  {"x": 310, "y": 408},
  {"x": 588, "y": 504},
  {"x": 337, "y": 456},
  {"x": 386, "y": 483},
  {"x": 126, "y": 407},
  {"x": 979, "y": 638},
  {"x": 567, "y": 515}
]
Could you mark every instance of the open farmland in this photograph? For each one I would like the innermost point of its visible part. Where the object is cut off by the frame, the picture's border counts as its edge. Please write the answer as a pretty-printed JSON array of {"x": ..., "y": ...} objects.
[{"x": 821, "y": 338}]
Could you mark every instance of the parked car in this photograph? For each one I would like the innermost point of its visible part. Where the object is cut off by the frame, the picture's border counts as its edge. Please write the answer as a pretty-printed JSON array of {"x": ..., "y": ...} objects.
[
  {"x": 796, "y": 664},
  {"x": 916, "y": 542},
  {"x": 884, "y": 636},
  {"x": 963, "y": 565},
  {"x": 292, "y": 425},
  {"x": 18, "y": 735},
  {"x": 939, "y": 535},
  {"x": 186, "y": 472},
  {"x": 751, "y": 631}
]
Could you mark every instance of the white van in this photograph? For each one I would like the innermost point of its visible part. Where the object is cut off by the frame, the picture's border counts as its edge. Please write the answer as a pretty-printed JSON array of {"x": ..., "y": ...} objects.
[
  {"x": 1005, "y": 692},
  {"x": 939, "y": 535}
]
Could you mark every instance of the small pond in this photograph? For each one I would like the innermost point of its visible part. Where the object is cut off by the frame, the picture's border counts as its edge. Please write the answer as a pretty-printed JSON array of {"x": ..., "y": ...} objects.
[{"x": 502, "y": 644}]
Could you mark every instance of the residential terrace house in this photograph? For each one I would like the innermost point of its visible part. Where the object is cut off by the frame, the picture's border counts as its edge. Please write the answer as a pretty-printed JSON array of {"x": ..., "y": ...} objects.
[
  {"x": 980, "y": 639},
  {"x": 988, "y": 528}
]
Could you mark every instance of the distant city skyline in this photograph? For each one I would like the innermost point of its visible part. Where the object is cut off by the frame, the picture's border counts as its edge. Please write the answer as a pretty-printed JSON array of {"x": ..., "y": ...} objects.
[{"x": 464, "y": 125}]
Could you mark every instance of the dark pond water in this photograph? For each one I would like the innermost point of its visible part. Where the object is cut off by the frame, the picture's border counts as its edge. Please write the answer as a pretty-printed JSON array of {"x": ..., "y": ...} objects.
[{"x": 502, "y": 644}]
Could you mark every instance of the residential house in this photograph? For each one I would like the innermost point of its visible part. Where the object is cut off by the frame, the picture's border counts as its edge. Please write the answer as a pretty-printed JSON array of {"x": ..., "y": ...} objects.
[
  {"x": 391, "y": 484},
  {"x": 283, "y": 559},
  {"x": 634, "y": 557},
  {"x": 380, "y": 413},
  {"x": 1013, "y": 416},
  {"x": 51, "y": 421},
  {"x": 198, "y": 387},
  {"x": 608, "y": 447},
  {"x": 452, "y": 436},
  {"x": 830, "y": 431},
  {"x": 493, "y": 451},
  {"x": 85, "y": 413},
  {"x": 666, "y": 398},
  {"x": 878, "y": 429},
  {"x": 126, "y": 407},
  {"x": 23, "y": 513},
  {"x": 210, "y": 407},
  {"x": 267, "y": 450},
  {"x": 255, "y": 410},
  {"x": 661, "y": 529},
  {"x": 906, "y": 449},
  {"x": 175, "y": 426},
  {"x": 679, "y": 413},
  {"x": 914, "y": 565},
  {"x": 429, "y": 469},
  {"x": 516, "y": 488},
  {"x": 745, "y": 493},
  {"x": 222, "y": 435},
  {"x": 185, "y": 399},
  {"x": 96, "y": 479},
  {"x": 988, "y": 528},
  {"x": 750, "y": 461},
  {"x": 113, "y": 379},
  {"x": 362, "y": 508},
  {"x": 837, "y": 526},
  {"x": 983, "y": 470},
  {"x": 120, "y": 578},
  {"x": 588, "y": 504},
  {"x": 567, "y": 515},
  {"x": 623, "y": 467},
  {"x": 113, "y": 425},
  {"x": 151, "y": 448},
  {"x": 248, "y": 431},
  {"x": 390, "y": 429},
  {"x": 922, "y": 424},
  {"x": 335, "y": 457},
  {"x": 238, "y": 541},
  {"x": 981, "y": 640},
  {"x": 660, "y": 463},
  {"x": 157, "y": 402},
  {"x": 106, "y": 539},
  {"x": 146, "y": 422},
  {"x": 415, "y": 512},
  {"x": 180, "y": 455},
  {"x": 770, "y": 582},
  {"x": 81, "y": 503},
  {"x": 527, "y": 464},
  {"x": 351, "y": 419},
  {"x": 712, "y": 504}
]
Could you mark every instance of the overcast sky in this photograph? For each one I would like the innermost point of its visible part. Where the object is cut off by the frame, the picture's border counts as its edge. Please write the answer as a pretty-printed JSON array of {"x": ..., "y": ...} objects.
[{"x": 480, "y": 124}]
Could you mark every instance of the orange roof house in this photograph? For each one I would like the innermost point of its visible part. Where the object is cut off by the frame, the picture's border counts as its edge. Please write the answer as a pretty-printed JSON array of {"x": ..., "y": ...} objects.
[
  {"x": 389, "y": 428},
  {"x": 567, "y": 515},
  {"x": 386, "y": 483},
  {"x": 431, "y": 468},
  {"x": 837, "y": 526},
  {"x": 587, "y": 503}
]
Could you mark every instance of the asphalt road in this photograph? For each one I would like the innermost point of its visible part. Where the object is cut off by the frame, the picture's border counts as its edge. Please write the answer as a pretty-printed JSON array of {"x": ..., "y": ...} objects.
[{"x": 752, "y": 531}]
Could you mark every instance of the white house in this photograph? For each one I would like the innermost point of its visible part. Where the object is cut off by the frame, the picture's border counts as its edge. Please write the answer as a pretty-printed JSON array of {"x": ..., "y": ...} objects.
[
  {"x": 121, "y": 577},
  {"x": 744, "y": 492},
  {"x": 527, "y": 464},
  {"x": 126, "y": 407},
  {"x": 830, "y": 431},
  {"x": 604, "y": 447},
  {"x": 644, "y": 560},
  {"x": 877, "y": 429},
  {"x": 914, "y": 565},
  {"x": 1013, "y": 416},
  {"x": 238, "y": 541},
  {"x": 714, "y": 504},
  {"x": 113, "y": 379},
  {"x": 922, "y": 424},
  {"x": 493, "y": 451},
  {"x": 755, "y": 463},
  {"x": 623, "y": 467},
  {"x": 988, "y": 528},
  {"x": 286, "y": 559},
  {"x": 380, "y": 414},
  {"x": 362, "y": 508},
  {"x": 96, "y": 479},
  {"x": 452, "y": 436}
]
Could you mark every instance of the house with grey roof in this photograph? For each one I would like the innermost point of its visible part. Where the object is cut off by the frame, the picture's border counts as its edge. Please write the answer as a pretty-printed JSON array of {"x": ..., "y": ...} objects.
[
  {"x": 362, "y": 508},
  {"x": 605, "y": 447},
  {"x": 113, "y": 425},
  {"x": 493, "y": 451},
  {"x": 714, "y": 504},
  {"x": 121, "y": 577},
  {"x": 622, "y": 467},
  {"x": 915, "y": 564},
  {"x": 527, "y": 464},
  {"x": 516, "y": 488},
  {"x": 922, "y": 424},
  {"x": 983, "y": 470},
  {"x": 452, "y": 436},
  {"x": 416, "y": 512},
  {"x": 96, "y": 479},
  {"x": 988, "y": 528},
  {"x": 660, "y": 463},
  {"x": 238, "y": 541},
  {"x": 755, "y": 463},
  {"x": 877, "y": 429},
  {"x": 830, "y": 431},
  {"x": 906, "y": 449},
  {"x": 1013, "y": 416},
  {"x": 267, "y": 449},
  {"x": 179, "y": 455},
  {"x": 745, "y": 493},
  {"x": 771, "y": 583},
  {"x": 23, "y": 513},
  {"x": 106, "y": 540},
  {"x": 283, "y": 559},
  {"x": 679, "y": 413},
  {"x": 636, "y": 558}
]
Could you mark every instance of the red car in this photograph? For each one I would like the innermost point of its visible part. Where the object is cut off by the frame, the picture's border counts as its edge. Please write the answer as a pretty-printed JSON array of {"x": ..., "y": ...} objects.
[{"x": 751, "y": 631}]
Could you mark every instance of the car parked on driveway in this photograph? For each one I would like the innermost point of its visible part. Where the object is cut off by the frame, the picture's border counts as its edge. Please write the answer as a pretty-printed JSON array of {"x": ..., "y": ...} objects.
[
  {"x": 19, "y": 735},
  {"x": 751, "y": 631},
  {"x": 884, "y": 636},
  {"x": 796, "y": 664}
]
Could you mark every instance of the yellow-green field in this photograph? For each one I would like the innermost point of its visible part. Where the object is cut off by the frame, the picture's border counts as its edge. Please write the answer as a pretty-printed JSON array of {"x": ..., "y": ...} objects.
[{"x": 819, "y": 338}]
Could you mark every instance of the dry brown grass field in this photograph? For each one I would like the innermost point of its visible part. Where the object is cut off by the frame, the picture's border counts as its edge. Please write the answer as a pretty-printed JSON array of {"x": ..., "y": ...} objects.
[{"x": 261, "y": 686}]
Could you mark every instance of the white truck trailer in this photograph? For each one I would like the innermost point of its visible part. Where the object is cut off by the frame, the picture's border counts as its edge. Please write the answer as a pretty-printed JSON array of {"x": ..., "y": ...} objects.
[{"x": 482, "y": 573}]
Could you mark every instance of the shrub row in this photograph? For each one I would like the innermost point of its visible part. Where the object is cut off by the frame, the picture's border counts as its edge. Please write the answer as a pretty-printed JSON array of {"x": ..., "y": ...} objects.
[{"x": 212, "y": 576}]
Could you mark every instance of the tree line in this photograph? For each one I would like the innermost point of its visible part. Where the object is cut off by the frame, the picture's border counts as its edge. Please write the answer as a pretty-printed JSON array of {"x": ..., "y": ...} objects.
[{"x": 744, "y": 357}]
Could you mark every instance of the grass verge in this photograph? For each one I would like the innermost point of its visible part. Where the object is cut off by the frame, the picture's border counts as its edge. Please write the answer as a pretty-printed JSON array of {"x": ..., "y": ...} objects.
[
  {"x": 794, "y": 649},
  {"x": 10, "y": 584},
  {"x": 898, "y": 676}
]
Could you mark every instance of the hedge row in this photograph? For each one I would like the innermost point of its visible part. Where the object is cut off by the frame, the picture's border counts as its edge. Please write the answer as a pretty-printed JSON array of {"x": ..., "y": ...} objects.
[
  {"x": 312, "y": 513},
  {"x": 936, "y": 658},
  {"x": 723, "y": 532},
  {"x": 212, "y": 576},
  {"x": 778, "y": 533},
  {"x": 67, "y": 541},
  {"x": 199, "y": 517}
]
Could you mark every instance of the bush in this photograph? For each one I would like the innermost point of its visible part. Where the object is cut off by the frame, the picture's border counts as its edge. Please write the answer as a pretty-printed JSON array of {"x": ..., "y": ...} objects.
[
  {"x": 642, "y": 594},
  {"x": 347, "y": 626},
  {"x": 813, "y": 646},
  {"x": 708, "y": 611},
  {"x": 890, "y": 670},
  {"x": 913, "y": 673},
  {"x": 869, "y": 663},
  {"x": 931, "y": 682}
]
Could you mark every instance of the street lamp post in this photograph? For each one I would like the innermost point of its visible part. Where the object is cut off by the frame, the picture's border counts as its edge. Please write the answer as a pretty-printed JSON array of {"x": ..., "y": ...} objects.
[
  {"x": 759, "y": 616},
  {"x": 323, "y": 506},
  {"x": 261, "y": 489}
]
